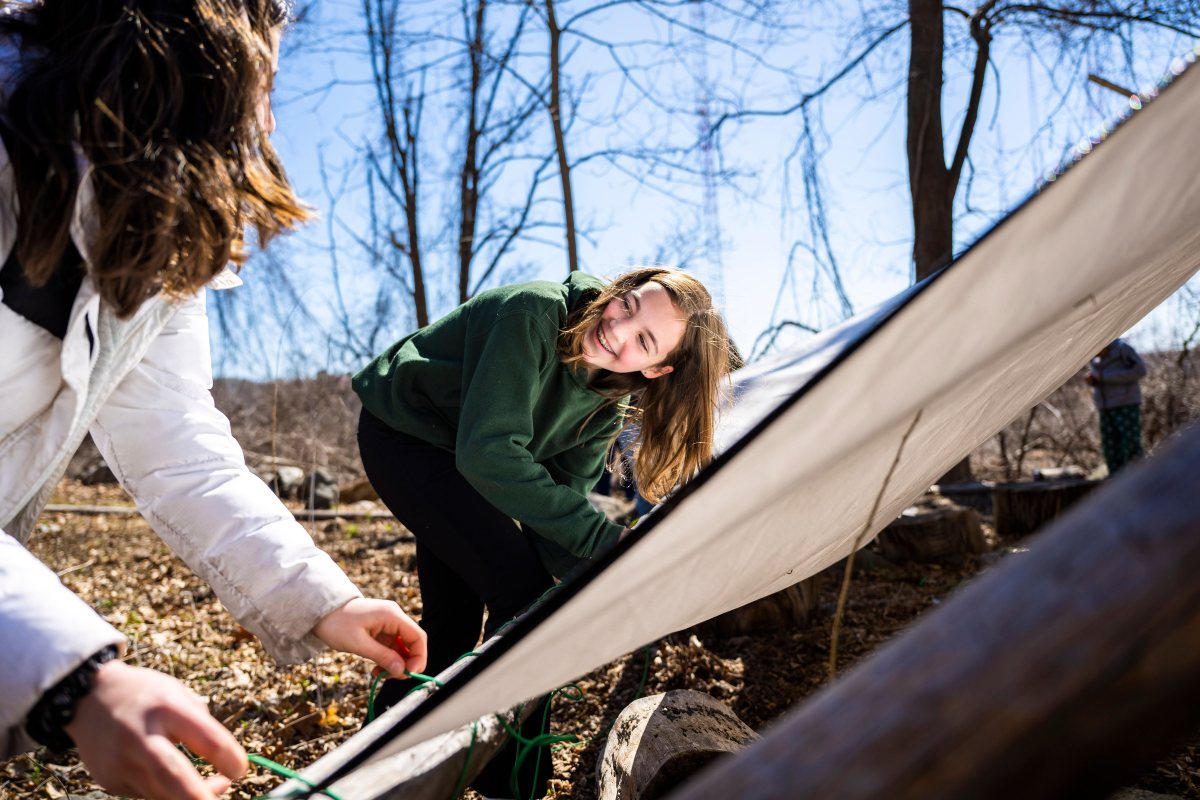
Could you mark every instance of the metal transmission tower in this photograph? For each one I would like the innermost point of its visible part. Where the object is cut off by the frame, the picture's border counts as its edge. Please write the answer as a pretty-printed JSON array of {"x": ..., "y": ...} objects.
[{"x": 711, "y": 269}]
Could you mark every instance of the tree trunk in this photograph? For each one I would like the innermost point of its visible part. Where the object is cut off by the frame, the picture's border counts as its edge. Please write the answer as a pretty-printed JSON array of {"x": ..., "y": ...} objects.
[
  {"x": 468, "y": 179},
  {"x": 660, "y": 741},
  {"x": 928, "y": 178},
  {"x": 1060, "y": 675},
  {"x": 560, "y": 140},
  {"x": 410, "y": 175}
]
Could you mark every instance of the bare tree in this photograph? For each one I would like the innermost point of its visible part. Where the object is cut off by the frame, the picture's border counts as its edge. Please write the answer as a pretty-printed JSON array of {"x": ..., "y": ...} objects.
[
  {"x": 492, "y": 130},
  {"x": 560, "y": 144},
  {"x": 1067, "y": 35},
  {"x": 400, "y": 161},
  {"x": 466, "y": 82},
  {"x": 1077, "y": 27}
]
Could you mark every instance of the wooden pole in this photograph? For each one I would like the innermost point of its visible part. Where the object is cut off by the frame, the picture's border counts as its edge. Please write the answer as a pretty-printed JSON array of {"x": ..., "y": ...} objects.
[{"x": 1062, "y": 673}]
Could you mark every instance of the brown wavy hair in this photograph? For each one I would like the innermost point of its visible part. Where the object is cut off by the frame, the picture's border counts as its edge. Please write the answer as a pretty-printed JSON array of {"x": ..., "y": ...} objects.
[
  {"x": 161, "y": 98},
  {"x": 675, "y": 414}
]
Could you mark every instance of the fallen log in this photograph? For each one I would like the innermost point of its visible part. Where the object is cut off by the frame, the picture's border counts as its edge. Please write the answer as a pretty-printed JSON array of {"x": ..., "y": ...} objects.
[
  {"x": 1063, "y": 673},
  {"x": 659, "y": 741}
]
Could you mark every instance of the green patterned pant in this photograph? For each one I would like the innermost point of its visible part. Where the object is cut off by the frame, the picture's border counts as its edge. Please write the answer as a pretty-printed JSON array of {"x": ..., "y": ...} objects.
[{"x": 1121, "y": 435}]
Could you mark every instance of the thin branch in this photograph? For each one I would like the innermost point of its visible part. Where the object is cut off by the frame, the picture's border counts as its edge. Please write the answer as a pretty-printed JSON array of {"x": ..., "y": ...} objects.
[
  {"x": 807, "y": 98},
  {"x": 859, "y": 540}
]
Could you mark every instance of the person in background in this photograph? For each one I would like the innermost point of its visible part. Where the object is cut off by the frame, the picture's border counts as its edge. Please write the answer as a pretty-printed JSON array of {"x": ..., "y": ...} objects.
[
  {"x": 484, "y": 431},
  {"x": 1114, "y": 375},
  {"x": 134, "y": 155}
]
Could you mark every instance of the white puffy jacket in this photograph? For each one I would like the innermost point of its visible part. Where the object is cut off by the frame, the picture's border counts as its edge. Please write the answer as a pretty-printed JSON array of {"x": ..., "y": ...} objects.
[{"x": 143, "y": 391}]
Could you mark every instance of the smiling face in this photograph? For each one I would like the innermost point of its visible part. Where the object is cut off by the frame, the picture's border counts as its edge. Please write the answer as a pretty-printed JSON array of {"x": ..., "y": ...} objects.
[{"x": 636, "y": 331}]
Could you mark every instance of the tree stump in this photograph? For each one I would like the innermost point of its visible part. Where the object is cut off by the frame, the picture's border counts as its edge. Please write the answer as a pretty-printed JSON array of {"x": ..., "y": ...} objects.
[
  {"x": 658, "y": 742},
  {"x": 976, "y": 494},
  {"x": 786, "y": 608},
  {"x": 1022, "y": 508},
  {"x": 932, "y": 534}
]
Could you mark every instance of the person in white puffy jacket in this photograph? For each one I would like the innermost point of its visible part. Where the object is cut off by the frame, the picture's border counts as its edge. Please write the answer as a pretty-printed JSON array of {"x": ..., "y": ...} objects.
[{"x": 134, "y": 144}]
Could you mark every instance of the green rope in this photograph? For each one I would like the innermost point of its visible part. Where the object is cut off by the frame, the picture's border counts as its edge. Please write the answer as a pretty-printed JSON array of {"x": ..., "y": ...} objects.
[
  {"x": 604, "y": 732},
  {"x": 279, "y": 769},
  {"x": 424, "y": 681},
  {"x": 524, "y": 746}
]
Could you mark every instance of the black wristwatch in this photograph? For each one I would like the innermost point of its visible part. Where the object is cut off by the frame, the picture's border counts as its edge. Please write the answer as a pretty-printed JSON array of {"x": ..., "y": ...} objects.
[{"x": 56, "y": 708}]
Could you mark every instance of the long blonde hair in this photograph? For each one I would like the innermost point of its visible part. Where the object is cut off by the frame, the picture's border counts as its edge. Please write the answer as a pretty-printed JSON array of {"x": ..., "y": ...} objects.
[{"x": 675, "y": 414}]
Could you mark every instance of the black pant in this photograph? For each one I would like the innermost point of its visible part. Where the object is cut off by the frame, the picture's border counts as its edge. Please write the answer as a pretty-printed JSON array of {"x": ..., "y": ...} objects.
[{"x": 470, "y": 556}]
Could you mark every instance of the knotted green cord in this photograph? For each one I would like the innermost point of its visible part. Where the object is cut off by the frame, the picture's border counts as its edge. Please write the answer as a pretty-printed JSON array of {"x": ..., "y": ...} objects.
[
  {"x": 526, "y": 746},
  {"x": 571, "y": 692},
  {"x": 425, "y": 680}
]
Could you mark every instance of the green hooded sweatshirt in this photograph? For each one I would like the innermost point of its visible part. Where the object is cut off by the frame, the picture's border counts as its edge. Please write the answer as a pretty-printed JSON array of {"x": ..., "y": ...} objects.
[{"x": 486, "y": 382}]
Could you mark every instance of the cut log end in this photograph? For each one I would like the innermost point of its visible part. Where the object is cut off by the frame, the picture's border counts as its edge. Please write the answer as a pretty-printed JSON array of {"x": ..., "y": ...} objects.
[{"x": 658, "y": 742}]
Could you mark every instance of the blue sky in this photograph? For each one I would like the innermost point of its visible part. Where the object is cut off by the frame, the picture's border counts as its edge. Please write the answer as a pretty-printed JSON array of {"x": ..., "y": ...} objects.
[{"x": 324, "y": 105}]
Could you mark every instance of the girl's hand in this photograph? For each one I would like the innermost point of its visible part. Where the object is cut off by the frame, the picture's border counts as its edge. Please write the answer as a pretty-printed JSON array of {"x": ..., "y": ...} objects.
[
  {"x": 378, "y": 630},
  {"x": 126, "y": 728}
]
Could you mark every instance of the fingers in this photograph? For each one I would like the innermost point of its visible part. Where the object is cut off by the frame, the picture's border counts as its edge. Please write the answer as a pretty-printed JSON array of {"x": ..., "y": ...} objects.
[
  {"x": 170, "y": 774},
  {"x": 206, "y": 737},
  {"x": 218, "y": 784},
  {"x": 417, "y": 645},
  {"x": 384, "y": 656},
  {"x": 126, "y": 728},
  {"x": 407, "y": 638},
  {"x": 370, "y": 628},
  {"x": 399, "y": 648}
]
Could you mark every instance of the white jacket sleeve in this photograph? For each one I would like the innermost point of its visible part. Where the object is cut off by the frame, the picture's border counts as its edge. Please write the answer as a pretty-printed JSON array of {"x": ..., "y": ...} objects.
[
  {"x": 173, "y": 451},
  {"x": 46, "y": 631}
]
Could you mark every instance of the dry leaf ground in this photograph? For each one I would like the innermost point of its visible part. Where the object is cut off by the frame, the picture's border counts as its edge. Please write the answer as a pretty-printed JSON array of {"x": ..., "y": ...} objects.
[{"x": 294, "y": 715}]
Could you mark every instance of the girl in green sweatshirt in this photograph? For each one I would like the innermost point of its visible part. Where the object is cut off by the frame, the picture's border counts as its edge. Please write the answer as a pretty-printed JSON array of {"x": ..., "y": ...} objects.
[{"x": 484, "y": 431}]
